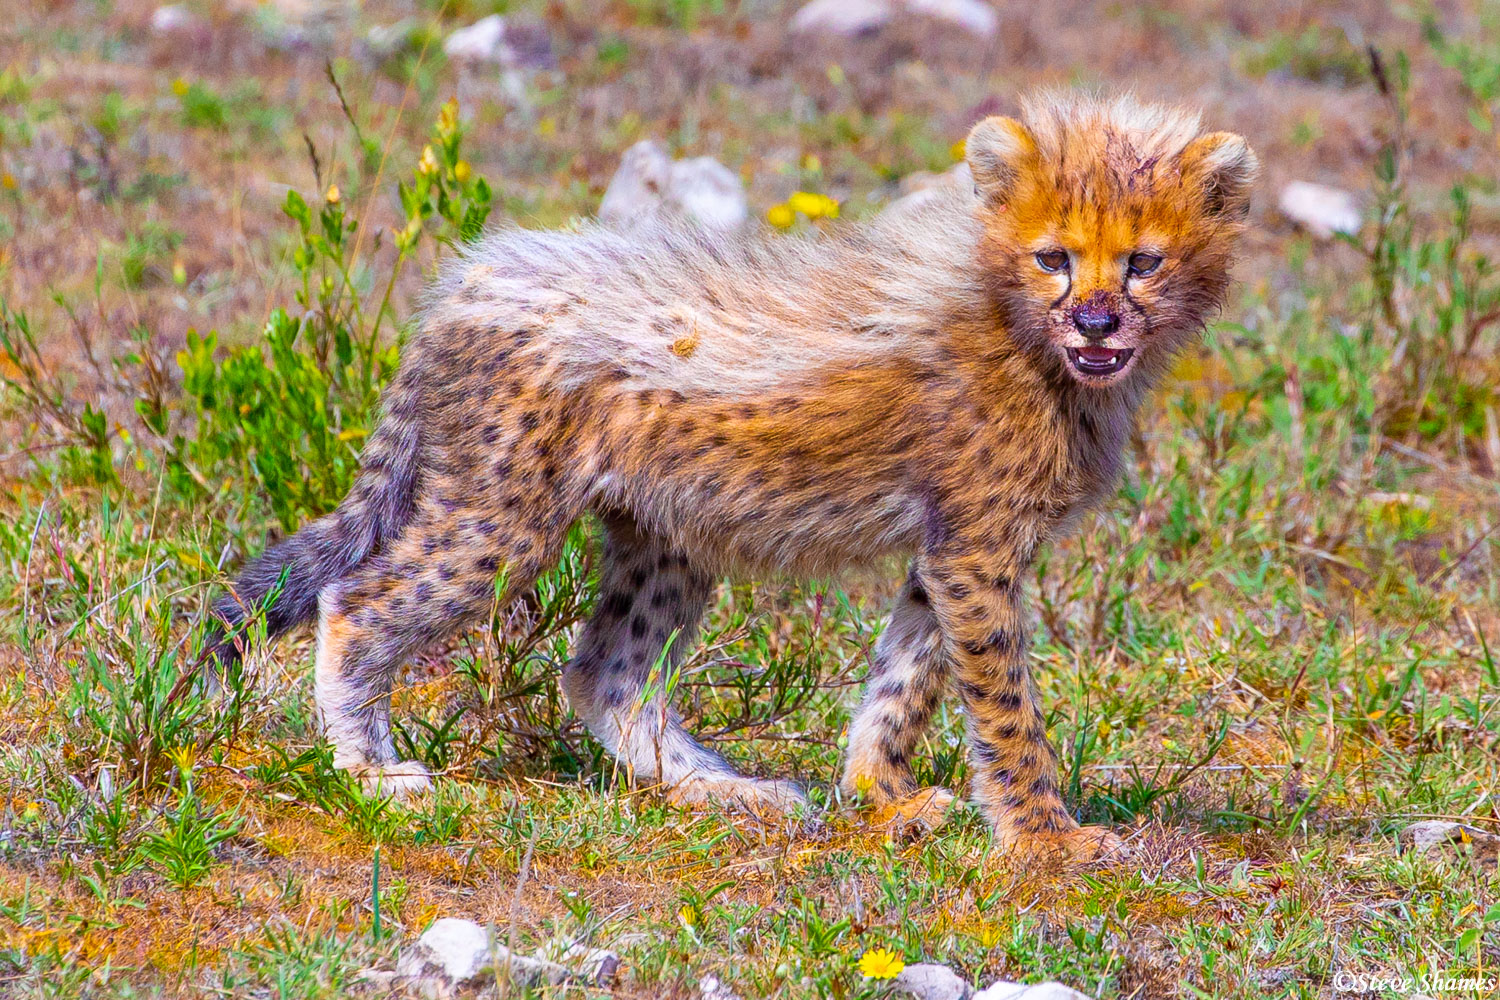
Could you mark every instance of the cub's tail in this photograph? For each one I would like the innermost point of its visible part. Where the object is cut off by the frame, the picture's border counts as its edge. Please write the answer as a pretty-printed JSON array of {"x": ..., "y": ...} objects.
[{"x": 294, "y": 571}]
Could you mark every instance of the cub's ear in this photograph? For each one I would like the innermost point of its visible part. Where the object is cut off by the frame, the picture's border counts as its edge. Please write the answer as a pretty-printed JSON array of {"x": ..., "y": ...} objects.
[
  {"x": 1223, "y": 167},
  {"x": 998, "y": 149}
]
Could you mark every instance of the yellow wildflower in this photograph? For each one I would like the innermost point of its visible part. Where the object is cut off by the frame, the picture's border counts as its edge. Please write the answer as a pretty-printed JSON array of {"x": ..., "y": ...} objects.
[
  {"x": 781, "y": 216},
  {"x": 806, "y": 203},
  {"x": 184, "y": 756},
  {"x": 688, "y": 916},
  {"x": 461, "y": 171},
  {"x": 8, "y": 181},
  {"x": 448, "y": 116},
  {"x": 333, "y": 194},
  {"x": 958, "y": 150},
  {"x": 429, "y": 162},
  {"x": 814, "y": 206},
  {"x": 880, "y": 963},
  {"x": 179, "y": 86}
]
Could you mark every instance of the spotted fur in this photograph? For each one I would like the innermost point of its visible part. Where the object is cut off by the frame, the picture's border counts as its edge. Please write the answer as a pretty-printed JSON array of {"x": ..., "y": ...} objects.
[{"x": 750, "y": 404}]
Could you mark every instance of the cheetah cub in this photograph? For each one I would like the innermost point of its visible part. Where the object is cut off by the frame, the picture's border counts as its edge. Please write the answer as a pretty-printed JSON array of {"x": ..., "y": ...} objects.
[{"x": 952, "y": 384}]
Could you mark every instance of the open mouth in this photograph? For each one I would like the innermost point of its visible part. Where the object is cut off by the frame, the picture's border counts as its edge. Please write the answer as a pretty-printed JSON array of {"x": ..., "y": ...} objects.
[{"x": 1098, "y": 362}]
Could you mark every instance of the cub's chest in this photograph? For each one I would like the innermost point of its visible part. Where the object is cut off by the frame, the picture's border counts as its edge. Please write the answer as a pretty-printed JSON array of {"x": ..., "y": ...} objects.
[
  {"x": 1054, "y": 460},
  {"x": 1096, "y": 450}
]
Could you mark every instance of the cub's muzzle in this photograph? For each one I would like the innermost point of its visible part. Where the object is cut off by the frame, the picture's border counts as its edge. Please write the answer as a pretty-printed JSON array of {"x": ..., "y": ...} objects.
[{"x": 1096, "y": 317}]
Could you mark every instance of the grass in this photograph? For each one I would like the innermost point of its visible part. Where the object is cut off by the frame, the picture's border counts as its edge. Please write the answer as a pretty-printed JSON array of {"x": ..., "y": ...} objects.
[{"x": 1274, "y": 650}]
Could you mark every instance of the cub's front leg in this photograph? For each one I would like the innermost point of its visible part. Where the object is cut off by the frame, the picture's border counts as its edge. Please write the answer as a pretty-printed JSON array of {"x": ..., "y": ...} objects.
[{"x": 976, "y": 595}]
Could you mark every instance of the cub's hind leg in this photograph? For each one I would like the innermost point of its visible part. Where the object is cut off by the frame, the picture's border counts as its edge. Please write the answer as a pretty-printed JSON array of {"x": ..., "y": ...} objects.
[
  {"x": 435, "y": 579},
  {"x": 907, "y": 680},
  {"x": 649, "y": 596}
]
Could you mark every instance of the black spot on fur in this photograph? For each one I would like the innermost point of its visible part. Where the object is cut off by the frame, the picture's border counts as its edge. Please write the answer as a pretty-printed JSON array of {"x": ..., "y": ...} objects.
[{"x": 616, "y": 605}]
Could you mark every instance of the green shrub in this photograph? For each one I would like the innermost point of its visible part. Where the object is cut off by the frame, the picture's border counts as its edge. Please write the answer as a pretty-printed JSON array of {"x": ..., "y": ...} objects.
[
  {"x": 143, "y": 256},
  {"x": 1477, "y": 65},
  {"x": 288, "y": 414},
  {"x": 143, "y": 704},
  {"x": 202, "y": 107},
  {"x": 1435, "y": 298},
  {"x": 183, "y": 851}
]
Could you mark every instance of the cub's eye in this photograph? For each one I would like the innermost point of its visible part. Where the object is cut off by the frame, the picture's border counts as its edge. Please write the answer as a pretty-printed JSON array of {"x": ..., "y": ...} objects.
[
  {"x": 1142, "y": 264},
  {"x": 1052, "y": 260}
]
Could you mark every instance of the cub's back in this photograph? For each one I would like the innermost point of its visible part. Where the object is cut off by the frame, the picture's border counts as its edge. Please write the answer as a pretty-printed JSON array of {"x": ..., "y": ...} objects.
[{"x": 729, "y": 315}]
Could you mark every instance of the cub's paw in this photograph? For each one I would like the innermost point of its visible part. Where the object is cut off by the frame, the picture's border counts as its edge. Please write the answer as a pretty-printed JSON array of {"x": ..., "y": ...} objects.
[
  {"x": 404, "y": 779},
  {"x": 764, "y": 798},
  {"x": 1079, "y": 845},
  {"x": 876, "y": 789},
  {"x": 916, "y": 815}
]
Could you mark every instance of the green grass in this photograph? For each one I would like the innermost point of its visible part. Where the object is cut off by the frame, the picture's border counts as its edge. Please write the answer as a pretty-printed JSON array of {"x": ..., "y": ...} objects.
[{"x": 1272, "y": 651}]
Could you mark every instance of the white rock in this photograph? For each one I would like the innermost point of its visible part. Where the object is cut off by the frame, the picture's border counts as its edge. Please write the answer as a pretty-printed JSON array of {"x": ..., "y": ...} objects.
[
  {"x": 454, "y": 956},
  {"x": 1481, "y": 846},
  {"x": 842, "y": 17},
  {"x": 383, "y": 980},
  {"x": 455, "y": 950},
  {"x": 1320, "y": 209},
  {"x": 649, "y": 185},
  {"x": 710, "y": 988},
  {"x": 639, "y": 184},
  {"x": 977, "y": 18},
  {"x": 516, "y": 44},
  {"x": 482, "y": 41},
  {"x": 1036, "y": 991},
  {"x": 173, "y": 18},
  {"x": 708, "y": 191},
  {"x": 592, "y": 965},
  {"x": 850, "y": 18},
  {"x": 931, "y": 982}
]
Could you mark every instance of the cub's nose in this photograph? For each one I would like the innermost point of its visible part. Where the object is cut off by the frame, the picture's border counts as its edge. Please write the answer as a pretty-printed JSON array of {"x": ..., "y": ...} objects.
[{"x": 1095, "y": 320}]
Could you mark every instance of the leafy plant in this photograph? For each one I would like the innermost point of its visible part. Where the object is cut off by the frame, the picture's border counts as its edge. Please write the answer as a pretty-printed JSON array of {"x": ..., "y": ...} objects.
[
  {"x": 433, "y": 743},
  {"x": 202, "y": 106},
  {"x": 1318, "y": 52},
  {"x": 310, "y": 777},
  {"x": 288, "y": 413},
  {"x": 183, "y": 851},
  {"x": 684, "y": 14},
  {"x": 144, "y": 254},
  {"x": 1436, "y": 295},
  {"x": 82, "y": 430},
  {"x": 1477, "y": 62},
  {"x": 143, "y": 703}
]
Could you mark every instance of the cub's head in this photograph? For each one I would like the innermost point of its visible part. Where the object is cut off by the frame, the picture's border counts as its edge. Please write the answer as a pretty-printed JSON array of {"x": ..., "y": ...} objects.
[{"x": 1108, "y": 228}]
